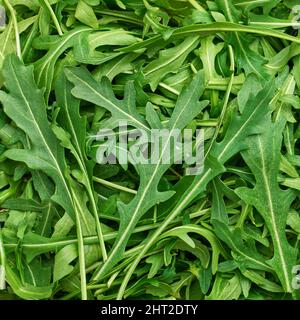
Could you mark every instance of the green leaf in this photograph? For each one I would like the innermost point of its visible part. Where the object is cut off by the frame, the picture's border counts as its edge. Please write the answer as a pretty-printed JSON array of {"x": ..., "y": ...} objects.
[
  {"x": 169, "y": 61},
  {"x": 218, "y": 210},
  {"x": 249, "y": 60},
  {"x": 156, "y": 261},
  {"x": 208, "y": 53},
  {"x": 45, "y": 189},
  {"x": 45, "y": 153},
  {"x": 225, "y": 289},
  {"x": 210, "y": 29},
  {"x": 115, "y": 67},
  {"x": 22, "y": 205},
  {"x": 217, "y": 248},
  {"x": 187, "y": 107},
  {"x": 240, "y": 127},
  {"x": 85, "y": 14},
  {"x": 62, "y": 262},
  {"x": 245, "y": 254},
  {"x": 200, "y": 251},
  {"x": 76, "y": 126},
  {"x": 102, "y": 95},
  {"x": 205, "y": 277},
  {"x": 44, "y": 67},
  {"x": 72, "y": 227},
  {"x": 26, "y": 291},
  {"x": 90, "y": 48},
  {"x": 272, "y": 202}
]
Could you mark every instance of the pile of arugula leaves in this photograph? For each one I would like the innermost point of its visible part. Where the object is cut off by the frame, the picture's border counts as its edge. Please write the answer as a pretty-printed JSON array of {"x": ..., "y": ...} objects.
[{"x": 73, "y": 228}]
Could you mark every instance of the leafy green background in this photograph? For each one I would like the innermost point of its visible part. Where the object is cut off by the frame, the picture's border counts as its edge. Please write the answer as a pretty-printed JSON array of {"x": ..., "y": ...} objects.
[{"x": 71, "y": 228}]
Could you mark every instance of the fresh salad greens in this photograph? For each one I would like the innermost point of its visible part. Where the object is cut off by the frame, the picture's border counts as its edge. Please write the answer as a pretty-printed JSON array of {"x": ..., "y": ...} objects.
[{"x": 73, "y": 226}]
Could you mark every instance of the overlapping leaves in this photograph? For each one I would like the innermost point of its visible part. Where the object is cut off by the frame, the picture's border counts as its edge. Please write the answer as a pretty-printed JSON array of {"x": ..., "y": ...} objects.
[{"x": 74, "y": 228}]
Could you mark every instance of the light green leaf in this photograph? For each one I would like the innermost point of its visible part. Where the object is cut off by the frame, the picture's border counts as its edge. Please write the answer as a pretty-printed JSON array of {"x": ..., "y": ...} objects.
[
  {"x": 225, "y": 289},
  {"x": 272, "y": 202},
  {"x": 62, "y": 262},
  {"x": 102, "y": 95},
  {"x": 187, "y": 107},
  {"x": 44, "y": 67},
  {"x": 169, "y": 61},
  {"x": 85, "y": 14}
]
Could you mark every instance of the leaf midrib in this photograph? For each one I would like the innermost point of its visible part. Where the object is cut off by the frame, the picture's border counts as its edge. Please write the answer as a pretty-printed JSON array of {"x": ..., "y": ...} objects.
[
  {"x": 56, "y": 165},
  {"x": 230, "y": 142},
  {"x": 110, "y": 103},
  {"x": 6, "y": 40},
  {"x": 135, "y": 214},
  {"x": 174, "y": 58},
  {"x": 46, "y": 63},
  {"x": 272, "y": 213}
]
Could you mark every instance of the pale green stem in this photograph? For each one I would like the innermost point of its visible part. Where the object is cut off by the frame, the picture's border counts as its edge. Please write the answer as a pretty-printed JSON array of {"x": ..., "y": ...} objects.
[
  {"x": 207, "y": 123},
  {"x": 195, "y": 71},
  {"x": 243, "y": 216},
  {"x": 114, "y": 185},
  {"x": 15, "y": 23},
  {"x": 54, "y": 18},
  {"x": 81, "y": 253},
  {"x": 155, "y": 214},
  {"x": 175, "y": 172},
  {"x": 93, "y": 239},
  {"x": 196, "y": 5},
  {"x": 275, "y": 24},
  {"x": 226, "y": 100},
  {"x": 170, "y": 89},
  {"x": 94, "y": 206}
]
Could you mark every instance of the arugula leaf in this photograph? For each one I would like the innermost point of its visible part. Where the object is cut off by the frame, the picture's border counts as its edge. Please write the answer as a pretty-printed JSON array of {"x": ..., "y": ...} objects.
[
  {"x": 44, "y": 67},
  {"x": 74, "y": 124},
  {"x": 262, "y": 157},
  {"x": 101, "y": 94},
  {"x": 187, "y": 107},
  {"x": 44, "y": 152},
  {"x": 169, "y": 61},
  {"x": 240, "y": 128},
  {"x": 73, "y": 228},
  {"x": 249, "y": 60},
  {"x": 26, "y": 291}
]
